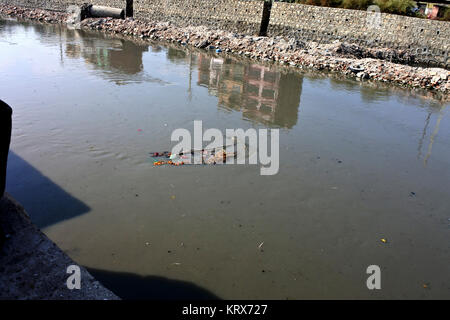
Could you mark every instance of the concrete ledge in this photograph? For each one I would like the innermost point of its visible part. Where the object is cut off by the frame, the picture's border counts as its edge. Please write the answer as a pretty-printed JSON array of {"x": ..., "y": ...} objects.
[{"x": 33, "y": 267}]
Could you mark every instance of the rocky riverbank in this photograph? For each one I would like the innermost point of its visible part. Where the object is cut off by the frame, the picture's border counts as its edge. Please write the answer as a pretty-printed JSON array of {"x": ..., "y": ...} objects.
[{"x": 365, "y": 64}]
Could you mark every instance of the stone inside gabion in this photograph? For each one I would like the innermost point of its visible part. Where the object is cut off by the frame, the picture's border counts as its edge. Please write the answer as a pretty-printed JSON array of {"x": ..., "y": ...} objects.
[{"x": 73, "y": 19}]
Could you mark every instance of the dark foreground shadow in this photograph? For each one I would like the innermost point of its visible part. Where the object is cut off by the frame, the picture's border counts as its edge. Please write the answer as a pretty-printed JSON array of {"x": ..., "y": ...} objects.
[
  {"x": 129, "y": 286},
  {"x": 46, "y": 202}
]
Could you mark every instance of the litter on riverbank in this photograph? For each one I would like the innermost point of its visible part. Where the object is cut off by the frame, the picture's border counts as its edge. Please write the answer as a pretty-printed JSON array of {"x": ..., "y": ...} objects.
[{"x": 348, "y": 59}]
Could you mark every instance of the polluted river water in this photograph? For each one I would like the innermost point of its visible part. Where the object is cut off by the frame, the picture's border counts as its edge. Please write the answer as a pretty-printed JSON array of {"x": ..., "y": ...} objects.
[{"x": 364, "y": 175}]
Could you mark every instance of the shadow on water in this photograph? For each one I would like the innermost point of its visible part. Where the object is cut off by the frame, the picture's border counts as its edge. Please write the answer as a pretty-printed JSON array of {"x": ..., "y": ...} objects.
[
  {"x": 46, "y": 202},
  {"x": 129, "y": 286}
]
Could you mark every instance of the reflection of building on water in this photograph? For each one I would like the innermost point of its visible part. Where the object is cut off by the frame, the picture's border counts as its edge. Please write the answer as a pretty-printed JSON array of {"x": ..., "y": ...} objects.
[
  {"x": 118, "y": 60},
  {"x": 259, "y": 92},
  {"x": 116, "y": 56},
  {"x": 119, "y": 54}
]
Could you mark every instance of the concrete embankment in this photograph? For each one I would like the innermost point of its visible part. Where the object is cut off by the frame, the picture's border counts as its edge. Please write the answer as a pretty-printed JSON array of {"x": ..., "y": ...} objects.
[
  {"x": 33, "y": 267},
  {"x": 344, "y": 58}
]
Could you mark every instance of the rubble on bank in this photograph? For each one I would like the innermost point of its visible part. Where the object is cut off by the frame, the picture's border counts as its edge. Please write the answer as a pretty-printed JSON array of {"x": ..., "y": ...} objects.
[
  {"x": 348, "y": 59},
  {"x": 33, "y": 14}
]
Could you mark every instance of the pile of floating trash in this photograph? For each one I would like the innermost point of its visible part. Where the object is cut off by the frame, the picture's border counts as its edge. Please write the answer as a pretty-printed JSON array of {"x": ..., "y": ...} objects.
[
  {"x": 170, "y": 162},
  {"x": 203, "y": 156}
]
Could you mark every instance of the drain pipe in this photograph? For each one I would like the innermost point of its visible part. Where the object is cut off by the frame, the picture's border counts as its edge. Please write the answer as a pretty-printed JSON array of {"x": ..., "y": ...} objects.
[
  {"x": 104, "y": 12},
  {"x": 91, "y": 11}
]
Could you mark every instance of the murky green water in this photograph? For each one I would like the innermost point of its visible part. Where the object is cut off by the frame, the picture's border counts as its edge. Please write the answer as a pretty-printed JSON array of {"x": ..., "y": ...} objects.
[{"x": 357, "y": 165}]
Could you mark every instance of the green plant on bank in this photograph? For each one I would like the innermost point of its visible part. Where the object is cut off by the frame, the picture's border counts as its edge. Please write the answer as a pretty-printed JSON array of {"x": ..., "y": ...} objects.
[
  {"x": 446, "y": 16},
  {"x": 323, "y": 3},
  {"x": 390, "y": 6},
  {"x": 402, "y": 7},
  {"x": 356, "y": 4},
  {"x": 396, "y": 6}
]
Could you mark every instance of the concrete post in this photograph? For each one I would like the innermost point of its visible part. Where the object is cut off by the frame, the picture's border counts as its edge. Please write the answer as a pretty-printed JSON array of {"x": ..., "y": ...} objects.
[
  {"x": 129, "y": 8},
  {"x": 5, "y": 139},
  {"x": 265, "y": 19}
]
